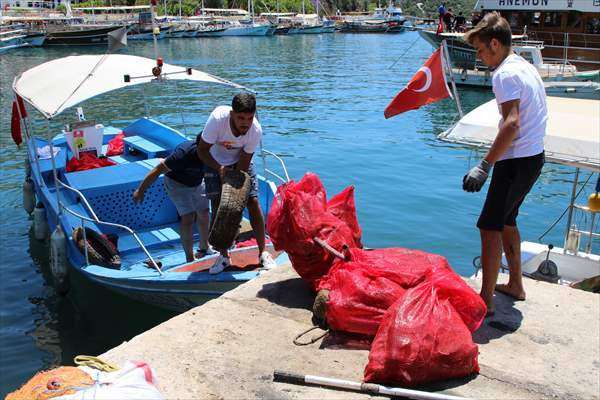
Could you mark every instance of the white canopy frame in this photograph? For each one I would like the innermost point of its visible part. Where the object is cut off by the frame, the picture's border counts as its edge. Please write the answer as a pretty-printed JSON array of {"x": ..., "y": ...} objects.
[
  {"x": 57, "y": 85},
  {"x": 82, "y": 78}
]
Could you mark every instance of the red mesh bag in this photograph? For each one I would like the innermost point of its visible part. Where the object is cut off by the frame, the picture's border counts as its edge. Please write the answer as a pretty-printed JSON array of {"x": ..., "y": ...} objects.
[
  {"x": 421, "y": 339},
  {"x": 115, "y": 145},
  {"x": 358, "y": 300},
  {"x": 298, "y": 215},
  {"x": 467, "y": 303},
  {"x": 362, "y": 289},
  {"x": 342, "y": 206}
]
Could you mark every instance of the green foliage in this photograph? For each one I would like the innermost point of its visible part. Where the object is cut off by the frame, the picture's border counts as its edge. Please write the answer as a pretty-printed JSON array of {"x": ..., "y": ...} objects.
[
  {"x": 430, "y": 7},
  {"x": 61, "y": 8}
]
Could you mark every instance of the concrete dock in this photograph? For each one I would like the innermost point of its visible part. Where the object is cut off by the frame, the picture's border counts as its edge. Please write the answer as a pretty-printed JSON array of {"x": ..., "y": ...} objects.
[{"x": 545, "y": 347}]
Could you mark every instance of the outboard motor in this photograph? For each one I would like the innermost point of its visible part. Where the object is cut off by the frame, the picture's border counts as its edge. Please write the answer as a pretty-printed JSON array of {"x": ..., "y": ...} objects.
[
  {"x": 40, "y": 225},
  {"x": 547, "y": 270},
  {"x": 58, "y": 260},
  {"x": 28, "y": 196}
]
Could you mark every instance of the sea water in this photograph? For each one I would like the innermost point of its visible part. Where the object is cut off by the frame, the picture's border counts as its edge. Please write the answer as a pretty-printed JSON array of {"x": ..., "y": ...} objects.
[{"x": 321, "y": 100}]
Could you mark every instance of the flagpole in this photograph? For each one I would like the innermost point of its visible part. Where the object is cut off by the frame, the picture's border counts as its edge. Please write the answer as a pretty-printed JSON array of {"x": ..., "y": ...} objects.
[{"x": 448, "y": 68}]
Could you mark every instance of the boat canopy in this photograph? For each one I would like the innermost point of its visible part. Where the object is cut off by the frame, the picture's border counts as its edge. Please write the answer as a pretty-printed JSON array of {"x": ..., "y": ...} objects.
[
  {"x": 572, "y": 131},
  {"x": 57, "y": 85}
]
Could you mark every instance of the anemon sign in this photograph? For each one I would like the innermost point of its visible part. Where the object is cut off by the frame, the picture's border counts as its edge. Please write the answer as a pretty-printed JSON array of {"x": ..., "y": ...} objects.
[{"x": 539, "y": 5}]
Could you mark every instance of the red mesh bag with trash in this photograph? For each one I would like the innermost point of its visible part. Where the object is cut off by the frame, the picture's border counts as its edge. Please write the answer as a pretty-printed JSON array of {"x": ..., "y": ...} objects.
[
  {"x": 362, "y": 288},
  {"x": 422, "y": 338},
  {"x": 299, "y": 214}
]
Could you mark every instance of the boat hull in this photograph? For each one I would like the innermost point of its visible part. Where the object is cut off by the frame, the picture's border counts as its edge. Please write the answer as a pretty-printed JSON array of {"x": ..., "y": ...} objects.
[
  {"x": 96, "y": 36},
  {"x": 262, "y": 30}
]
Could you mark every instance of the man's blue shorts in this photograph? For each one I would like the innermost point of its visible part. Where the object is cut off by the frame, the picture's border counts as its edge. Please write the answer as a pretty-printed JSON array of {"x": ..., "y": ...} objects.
[{"x": 213, "y": 182}]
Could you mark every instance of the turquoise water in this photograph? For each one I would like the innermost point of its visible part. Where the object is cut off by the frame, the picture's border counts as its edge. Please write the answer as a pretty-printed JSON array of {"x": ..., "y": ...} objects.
[{"x": 321, "y": 101}]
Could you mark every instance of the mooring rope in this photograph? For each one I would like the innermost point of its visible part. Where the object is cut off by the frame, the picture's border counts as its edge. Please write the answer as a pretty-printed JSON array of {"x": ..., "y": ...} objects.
[
  {"x": 405, "y": 51},
  {"x": 313, "y": 340}
]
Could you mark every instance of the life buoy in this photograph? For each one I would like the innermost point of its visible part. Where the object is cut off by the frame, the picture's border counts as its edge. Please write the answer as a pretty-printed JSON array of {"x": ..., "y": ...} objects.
[{"x": 100, "y": 250}]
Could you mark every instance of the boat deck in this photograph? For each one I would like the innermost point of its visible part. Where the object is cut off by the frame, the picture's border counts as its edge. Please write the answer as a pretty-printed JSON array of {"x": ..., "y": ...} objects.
[{"x": 545, "y": 347}]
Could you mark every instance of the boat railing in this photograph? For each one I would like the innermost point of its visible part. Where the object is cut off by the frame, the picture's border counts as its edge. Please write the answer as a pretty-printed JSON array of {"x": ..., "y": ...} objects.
[
  {"x": 269, "y": 172},
  {"x": 96, "y": 220}
]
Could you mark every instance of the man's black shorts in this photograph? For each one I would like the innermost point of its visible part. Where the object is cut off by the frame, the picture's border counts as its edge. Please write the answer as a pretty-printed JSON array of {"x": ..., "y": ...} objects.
[{"x": 512, "y": 179}]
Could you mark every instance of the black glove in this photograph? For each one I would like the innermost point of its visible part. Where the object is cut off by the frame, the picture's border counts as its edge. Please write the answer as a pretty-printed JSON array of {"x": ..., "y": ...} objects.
[{"x": 473, "y": 181}]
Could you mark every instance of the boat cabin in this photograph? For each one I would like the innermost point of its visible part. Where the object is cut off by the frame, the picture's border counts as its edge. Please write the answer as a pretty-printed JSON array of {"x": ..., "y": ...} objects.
[{"x": 569, "y": 29}]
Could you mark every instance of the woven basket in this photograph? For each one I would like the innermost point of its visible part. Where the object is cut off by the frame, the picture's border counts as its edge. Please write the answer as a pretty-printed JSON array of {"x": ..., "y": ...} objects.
[{"x": 234, "y": 195}]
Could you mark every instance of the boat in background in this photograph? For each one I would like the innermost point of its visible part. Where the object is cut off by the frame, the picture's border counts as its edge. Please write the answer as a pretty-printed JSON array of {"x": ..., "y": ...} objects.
[
  {"x": 79, "y": 34},
  {"x": 572, "y": 139},
  {"x": 570, "y": 31},
  {"x": 573, "y": 89},
  {"x": 132, "y": 249},
  {"x": 12, "y": 39},
  {"x": 244, "y": 28},
  {"x": 481, "y": 76}
]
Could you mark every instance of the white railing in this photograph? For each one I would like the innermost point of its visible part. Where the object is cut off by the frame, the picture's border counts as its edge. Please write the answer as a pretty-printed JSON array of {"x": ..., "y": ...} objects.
[{"x": 272, "y": 173}]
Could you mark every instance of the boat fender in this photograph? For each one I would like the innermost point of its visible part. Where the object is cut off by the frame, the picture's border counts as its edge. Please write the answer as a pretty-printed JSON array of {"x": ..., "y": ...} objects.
[
  {"x": 463, "y": 75},
  {"x": 28, "y": 196},
  {"x": 40, "y": 225},
  {"x": 58, "y": 260},
  {"x": 594, "y": 199},
  {"x": 101, "y": 251}
]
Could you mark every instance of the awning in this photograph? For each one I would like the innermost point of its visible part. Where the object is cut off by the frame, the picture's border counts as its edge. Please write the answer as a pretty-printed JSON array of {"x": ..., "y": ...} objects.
[
  {"x": 56, "y": 85},
  {"x": 572, "y": 131}
]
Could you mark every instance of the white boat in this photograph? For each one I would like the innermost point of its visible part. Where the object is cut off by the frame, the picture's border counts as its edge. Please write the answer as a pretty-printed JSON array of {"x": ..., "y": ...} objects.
[
  {"x": 146, "y": 260},
  {"x": 530, "y": 51},
  {"x": 573, "y": 139},
  {"x": 234, "y": 28},
  {"x": 573, "y": 89}
]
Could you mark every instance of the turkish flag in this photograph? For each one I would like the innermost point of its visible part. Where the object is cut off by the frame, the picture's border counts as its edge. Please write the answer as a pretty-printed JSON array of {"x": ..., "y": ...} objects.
[{"x": 426, "y": 86}]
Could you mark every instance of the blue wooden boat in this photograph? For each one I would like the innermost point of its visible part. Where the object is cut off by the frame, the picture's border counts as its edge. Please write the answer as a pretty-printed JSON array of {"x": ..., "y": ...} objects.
[{"x": 152, "y": 265}]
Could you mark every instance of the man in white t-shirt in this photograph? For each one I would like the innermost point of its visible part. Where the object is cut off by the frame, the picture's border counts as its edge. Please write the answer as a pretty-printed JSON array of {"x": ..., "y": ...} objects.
[
  {"x": 229, "y": 140},
  {"x": 517, "y": 154}
]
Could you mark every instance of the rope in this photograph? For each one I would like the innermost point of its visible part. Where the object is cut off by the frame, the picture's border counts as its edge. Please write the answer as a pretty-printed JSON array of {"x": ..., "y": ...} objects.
[
  {"x": 94, "y": 362},
  {"x": 313, "y": 340},
  {"x": 566, "y": 209},
  {"x": 405, "y": 51}
]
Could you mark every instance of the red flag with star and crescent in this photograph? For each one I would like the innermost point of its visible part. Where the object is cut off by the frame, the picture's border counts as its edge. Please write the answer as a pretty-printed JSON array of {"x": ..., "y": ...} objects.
[{"x": 426, "y": 86}]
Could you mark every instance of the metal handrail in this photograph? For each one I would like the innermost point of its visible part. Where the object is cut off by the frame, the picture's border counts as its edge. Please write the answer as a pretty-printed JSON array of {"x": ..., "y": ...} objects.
[
  {"x": 287, "y": 176},
  {"x": 97, "y": 220},
  {"x": 82, "y": 197},
  {"x": 117, "y": 226}
]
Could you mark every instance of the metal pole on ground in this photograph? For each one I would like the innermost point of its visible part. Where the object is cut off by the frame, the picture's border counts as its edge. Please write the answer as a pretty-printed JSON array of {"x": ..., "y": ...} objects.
[{"x": 371, "y": 388}]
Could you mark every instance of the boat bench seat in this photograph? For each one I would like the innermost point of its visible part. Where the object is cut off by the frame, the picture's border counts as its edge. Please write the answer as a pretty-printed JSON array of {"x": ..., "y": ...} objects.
[
  {"x": 148, "y": 147},
  {"x": 109, "y": 191}
]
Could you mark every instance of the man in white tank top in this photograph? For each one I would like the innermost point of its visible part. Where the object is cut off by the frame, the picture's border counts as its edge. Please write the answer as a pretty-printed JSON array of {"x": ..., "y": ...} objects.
[{"x": 517, "y": 154}]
